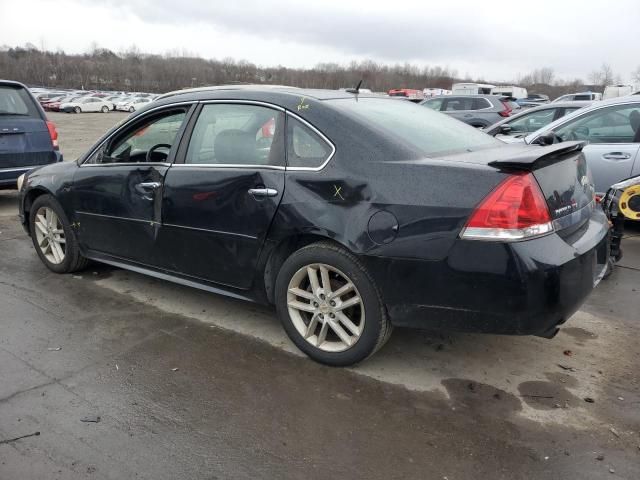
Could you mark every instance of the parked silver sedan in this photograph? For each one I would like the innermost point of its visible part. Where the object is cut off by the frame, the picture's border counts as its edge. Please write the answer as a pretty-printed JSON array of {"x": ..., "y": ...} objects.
[
  {"x": 612, "y": 130},
  {"x": 532, "y": 119}
]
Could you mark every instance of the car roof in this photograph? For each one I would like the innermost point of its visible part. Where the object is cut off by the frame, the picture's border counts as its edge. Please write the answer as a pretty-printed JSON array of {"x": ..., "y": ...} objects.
[
  {"x": 12, "y": 83},
  {"x": 203, "y": 93}
]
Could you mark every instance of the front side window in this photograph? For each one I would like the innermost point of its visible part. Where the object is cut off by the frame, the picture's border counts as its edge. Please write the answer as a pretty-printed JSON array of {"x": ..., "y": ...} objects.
[
  {"x": 434, "y": 104},
  {"x": 615, "y": 124},
  {"x": 150, "y": 141},
  {"x": 237, "y": 134},
  {"x": 305, "y": 147}
]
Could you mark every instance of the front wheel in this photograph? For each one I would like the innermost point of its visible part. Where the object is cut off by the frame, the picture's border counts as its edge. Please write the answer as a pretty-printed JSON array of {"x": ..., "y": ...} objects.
[
  {"x": 105, "y": 109},
  {"x": 131, "y": 109},
  {"x": 53, "y": 237},
  {"x": 77, "y": 110},
  {"x": 329, "y": 305}
]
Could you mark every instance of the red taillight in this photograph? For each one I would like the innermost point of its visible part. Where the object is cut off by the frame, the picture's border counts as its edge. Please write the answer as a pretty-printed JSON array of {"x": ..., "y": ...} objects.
[
  {"x": 53, "y": 133},
  {"x": 514, "y": 210},
  {"x": 507, "y": 110}
]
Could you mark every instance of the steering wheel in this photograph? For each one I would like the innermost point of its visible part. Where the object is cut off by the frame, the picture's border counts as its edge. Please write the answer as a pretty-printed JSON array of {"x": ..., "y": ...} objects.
[
  {"x": 155, "y": 147},
  {"x": 579, "y": 132}
]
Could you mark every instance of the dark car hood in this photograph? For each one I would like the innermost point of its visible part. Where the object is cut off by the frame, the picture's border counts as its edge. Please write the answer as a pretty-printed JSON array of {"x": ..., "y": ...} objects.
[{"x": 53, "y": 169}]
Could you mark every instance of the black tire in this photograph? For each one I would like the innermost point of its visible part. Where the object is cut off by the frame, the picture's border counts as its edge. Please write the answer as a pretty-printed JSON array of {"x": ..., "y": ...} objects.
[
  {"x": 73, "y": 260},
  {"x": 77, "y": 110},
  {"x": 131, "y": 109},
  {"x": 105, "y": 109},
  {"x": 377, "y": 327}
]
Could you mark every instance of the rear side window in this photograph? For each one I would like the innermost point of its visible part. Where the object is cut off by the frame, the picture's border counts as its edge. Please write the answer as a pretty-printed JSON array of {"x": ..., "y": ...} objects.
[
  {"x": 426, "y": 130},
  {"x": 16, "y": 101},
  {"x": 237, "y": 134},
  {"x": 305, "y": 147}
]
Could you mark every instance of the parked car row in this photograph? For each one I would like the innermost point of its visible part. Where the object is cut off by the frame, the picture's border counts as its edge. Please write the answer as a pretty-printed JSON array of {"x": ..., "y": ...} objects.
[{"x": 83, "y": 101}]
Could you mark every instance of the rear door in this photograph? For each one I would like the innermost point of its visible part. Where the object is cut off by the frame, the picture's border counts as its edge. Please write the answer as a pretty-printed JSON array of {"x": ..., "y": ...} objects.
[
  {"x": 25, "y": 141},
  {"x": 223, "y": 191},
  {"x": 613, "y": 136}
]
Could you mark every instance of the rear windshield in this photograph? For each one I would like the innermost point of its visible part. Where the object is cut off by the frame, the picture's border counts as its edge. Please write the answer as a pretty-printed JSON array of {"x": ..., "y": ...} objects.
[
  {"x": 429, "y": 131},
  {"x": 16, "y": 101}
]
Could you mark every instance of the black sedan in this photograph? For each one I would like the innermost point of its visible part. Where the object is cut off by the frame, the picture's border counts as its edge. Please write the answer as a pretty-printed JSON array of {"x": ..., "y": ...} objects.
[{"x": 351, "y": 213}]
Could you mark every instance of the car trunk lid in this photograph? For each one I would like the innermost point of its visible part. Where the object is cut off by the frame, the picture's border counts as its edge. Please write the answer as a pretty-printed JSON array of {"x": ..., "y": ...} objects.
[{"x": 562, "y": 174}]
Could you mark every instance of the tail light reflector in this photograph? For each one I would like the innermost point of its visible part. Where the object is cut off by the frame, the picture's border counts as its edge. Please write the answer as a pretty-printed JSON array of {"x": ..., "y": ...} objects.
[
  {"x": 507, "y": 110},
  {"x": 515, "y": 210},
  {"x": 53, "y": 133}
]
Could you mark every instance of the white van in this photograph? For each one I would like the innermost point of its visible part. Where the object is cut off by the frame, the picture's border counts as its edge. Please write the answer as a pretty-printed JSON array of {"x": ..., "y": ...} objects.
[
  {"x": 471, "y": 89},
  {"x": 510, "y": 91},
  {"x": 613, "y": 91}
]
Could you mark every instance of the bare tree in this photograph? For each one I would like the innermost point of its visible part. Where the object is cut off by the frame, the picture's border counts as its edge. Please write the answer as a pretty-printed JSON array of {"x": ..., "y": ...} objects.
[{"x": 604, "y": 76}]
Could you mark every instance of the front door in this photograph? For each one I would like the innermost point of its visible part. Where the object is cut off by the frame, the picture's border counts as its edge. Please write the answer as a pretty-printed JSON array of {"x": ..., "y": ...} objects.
[
  {"x": 223, "y": 191},
  {"x": 118, "y": 191}
]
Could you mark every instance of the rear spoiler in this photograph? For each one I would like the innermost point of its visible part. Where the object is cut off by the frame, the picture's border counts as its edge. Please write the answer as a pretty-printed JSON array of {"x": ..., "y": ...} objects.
[{"x": 537, "y": 157}]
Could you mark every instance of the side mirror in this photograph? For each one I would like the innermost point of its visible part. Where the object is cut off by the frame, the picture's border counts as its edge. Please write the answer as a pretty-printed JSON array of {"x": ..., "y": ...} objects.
[
  {"x": 505, "y": 129},
  {"x": 548, "y": 138}
]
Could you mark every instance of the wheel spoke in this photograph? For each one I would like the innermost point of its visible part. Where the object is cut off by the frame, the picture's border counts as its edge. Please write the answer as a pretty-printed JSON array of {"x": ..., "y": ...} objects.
[
  {"x": 59, "y": 240},
  {"x": 311, "y": 328},
  {"x": 322, "y": 336},
  {"x": 346, "y": 321},
  {"x": 326, "y": 282},
  {"x": 58, "y": 248},
  {"x": 348, "y": 303},
  {"x": 312, "y": 273},
  {"x": 298, "y": 292},
  {"x": 54, "y": 252},
  {"x": 305, "y": 307},
  {"x": 346, "y": 288},
  {"x": 342, "y": 334},
  {"x": 40, "y": 225}
]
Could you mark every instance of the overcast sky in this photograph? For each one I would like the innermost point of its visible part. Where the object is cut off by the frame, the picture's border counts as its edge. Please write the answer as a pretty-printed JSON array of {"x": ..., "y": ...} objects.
[{"x": 498, "y": 40}]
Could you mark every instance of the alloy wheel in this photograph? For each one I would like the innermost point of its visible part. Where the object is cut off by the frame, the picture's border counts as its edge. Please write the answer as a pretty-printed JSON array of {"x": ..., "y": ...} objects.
[
  {"x": 325, "y": 307},
  {"x": 50, "y": 235}
]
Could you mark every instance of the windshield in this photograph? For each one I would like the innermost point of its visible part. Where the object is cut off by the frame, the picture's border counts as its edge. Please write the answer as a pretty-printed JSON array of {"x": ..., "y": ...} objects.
[{"x": 430, "y": 132}]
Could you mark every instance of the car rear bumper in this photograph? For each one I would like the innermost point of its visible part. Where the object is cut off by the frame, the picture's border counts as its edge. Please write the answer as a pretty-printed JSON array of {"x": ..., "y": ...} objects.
[
  {"x": 519, "y": 288},
  {"x": 9, "y": 176}
]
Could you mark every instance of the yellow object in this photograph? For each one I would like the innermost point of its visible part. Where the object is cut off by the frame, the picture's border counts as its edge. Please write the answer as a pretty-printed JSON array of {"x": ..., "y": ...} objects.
[{"x": 625, "y": 201}]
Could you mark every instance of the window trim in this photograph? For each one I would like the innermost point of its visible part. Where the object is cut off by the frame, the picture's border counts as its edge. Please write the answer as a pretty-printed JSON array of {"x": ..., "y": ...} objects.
[
  {"x": 322, "y": 136},
  {"x": 82, "y": 161},
  {"x": 287, "y": 113}
]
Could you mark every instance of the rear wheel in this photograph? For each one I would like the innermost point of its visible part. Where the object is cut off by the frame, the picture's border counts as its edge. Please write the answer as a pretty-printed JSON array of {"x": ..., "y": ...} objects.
[
  {"x": 77, "y": 110},
  {"x": 53, "y": 237},
  {"x": 329, "y": 305}
]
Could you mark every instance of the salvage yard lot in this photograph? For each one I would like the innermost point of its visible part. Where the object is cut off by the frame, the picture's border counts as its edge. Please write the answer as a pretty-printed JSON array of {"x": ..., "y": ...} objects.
[{"x": 192, "y": 385}]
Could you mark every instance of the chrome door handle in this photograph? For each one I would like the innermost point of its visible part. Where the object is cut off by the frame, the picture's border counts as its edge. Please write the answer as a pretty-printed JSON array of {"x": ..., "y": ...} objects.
[
  {"x": 263, "y": 192},
  {"x": 149, "y": 185},
  {"x": 617, "y": 156}
]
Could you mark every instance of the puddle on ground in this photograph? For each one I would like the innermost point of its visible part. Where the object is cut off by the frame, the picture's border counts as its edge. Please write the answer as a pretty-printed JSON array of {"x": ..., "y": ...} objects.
[{"x": 546, "y": 395}]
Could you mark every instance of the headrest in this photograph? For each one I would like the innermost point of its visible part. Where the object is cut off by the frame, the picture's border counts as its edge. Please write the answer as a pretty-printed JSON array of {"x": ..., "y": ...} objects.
[{"x": 235, "y": 147}]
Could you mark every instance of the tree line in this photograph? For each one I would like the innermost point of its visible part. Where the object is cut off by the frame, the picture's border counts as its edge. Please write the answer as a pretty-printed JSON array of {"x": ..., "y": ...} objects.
[{"x": 132, "y": 70}]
